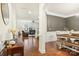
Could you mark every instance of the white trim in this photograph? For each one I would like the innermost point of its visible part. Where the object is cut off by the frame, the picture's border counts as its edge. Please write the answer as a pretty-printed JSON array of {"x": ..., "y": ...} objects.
[
  {"x": 59, "y": 15},
  {"x": 54, "y": 14},
  {"x": 42, "y": 51},
  {"x": 76, "y": 14}
]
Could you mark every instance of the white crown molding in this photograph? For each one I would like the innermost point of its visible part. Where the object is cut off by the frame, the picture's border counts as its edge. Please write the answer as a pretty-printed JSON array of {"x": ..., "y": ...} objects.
[
  {"x": 54, "y": 14},
  {"x": 76, "y": 14},
  {"x": 59, "y": 15}
]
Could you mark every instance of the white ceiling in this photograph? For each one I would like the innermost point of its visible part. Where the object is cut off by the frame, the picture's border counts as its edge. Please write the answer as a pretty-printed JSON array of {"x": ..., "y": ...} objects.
[
  {"x": 27, "y": 11},
  {"x": 58, "y": 9},
  {"x": 30, "y": 11},
  {"x": 63, "y": 9}
]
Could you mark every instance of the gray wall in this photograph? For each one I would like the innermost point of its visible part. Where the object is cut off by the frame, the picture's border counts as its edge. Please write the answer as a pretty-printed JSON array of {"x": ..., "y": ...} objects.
[
  {"x": 55, "y": 23},
  {"x": 72, "y": 23}
]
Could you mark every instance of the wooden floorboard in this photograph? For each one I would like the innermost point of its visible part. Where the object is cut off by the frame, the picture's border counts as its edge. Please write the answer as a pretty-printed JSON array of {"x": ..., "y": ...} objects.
[{"x": 31, "y": 49}]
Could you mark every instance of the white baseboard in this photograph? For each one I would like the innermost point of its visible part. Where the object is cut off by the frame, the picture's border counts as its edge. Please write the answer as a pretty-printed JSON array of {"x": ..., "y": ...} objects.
[{"x": 42, "y": 51}]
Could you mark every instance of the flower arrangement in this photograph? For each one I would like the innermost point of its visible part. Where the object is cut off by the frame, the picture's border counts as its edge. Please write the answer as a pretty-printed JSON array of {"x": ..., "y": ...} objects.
[{"x": 13, "y": 32}]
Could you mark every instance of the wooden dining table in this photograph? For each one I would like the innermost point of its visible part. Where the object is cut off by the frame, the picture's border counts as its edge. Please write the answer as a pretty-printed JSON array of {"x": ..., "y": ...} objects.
[{"x": 65, "y": 41}]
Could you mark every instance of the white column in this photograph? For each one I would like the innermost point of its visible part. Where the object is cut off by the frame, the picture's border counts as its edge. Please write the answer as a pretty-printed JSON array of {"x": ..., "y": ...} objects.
[
  {"x": 2, "y": 28},
  {"x": 12, "y": 16},
  {"x": 42, "y": 28},
  {"x": 12, "y": 19}
]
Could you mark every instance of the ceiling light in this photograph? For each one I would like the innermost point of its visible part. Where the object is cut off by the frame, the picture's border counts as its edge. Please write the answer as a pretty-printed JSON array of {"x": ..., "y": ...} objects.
[{"x": 29, "y": 12}]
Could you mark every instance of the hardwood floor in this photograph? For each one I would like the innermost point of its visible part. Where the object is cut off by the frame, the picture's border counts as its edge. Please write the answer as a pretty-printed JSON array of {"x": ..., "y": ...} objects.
[
  {"x": 31, "y": 49},
  {"x": 31, "y": 46}
]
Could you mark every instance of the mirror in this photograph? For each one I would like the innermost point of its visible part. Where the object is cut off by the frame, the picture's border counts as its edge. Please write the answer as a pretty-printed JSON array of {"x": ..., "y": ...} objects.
[{"x": 5, "y": 12}]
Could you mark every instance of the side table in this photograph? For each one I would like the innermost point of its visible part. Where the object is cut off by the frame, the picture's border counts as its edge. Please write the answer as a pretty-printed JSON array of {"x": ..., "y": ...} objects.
[{"x": 16, "y": 49}]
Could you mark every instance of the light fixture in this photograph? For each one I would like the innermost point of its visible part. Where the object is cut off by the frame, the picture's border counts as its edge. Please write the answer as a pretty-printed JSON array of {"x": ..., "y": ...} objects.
[{"x": 29, "y": 12}]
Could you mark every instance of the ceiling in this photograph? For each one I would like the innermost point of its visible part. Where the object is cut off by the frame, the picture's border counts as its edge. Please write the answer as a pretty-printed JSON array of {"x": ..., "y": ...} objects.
[
  {"x": 27, "y": 11},
  {"x": 58, "y": 9},
  {"x": 63, "y": 9},
  {"x": 30, "y": 11}
]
